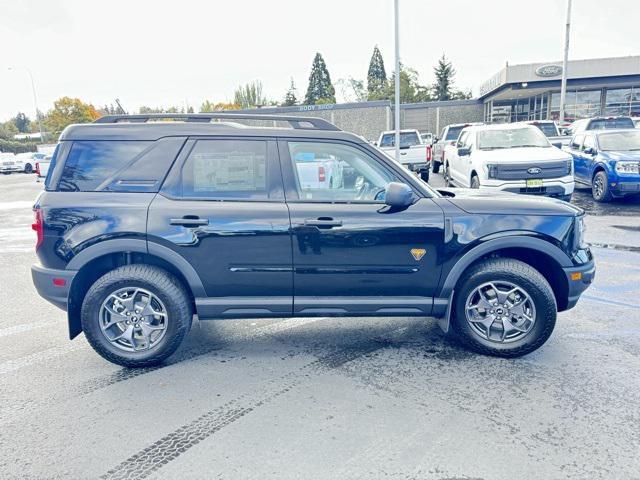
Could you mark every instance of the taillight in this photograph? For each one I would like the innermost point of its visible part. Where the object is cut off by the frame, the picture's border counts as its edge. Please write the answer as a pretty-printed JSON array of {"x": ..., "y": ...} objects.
[
  {"x": 321, "y": 174},
  {"x": 38, "y": 168},
  {"x": 38, "y": 226},
  {"x": 428, "y": 153}
]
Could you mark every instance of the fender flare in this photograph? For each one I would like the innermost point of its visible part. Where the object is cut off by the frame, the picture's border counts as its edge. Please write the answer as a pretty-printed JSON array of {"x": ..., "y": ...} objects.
[
  {"x": 142, "y": 246},
  {"x": 489, "y": 246}
]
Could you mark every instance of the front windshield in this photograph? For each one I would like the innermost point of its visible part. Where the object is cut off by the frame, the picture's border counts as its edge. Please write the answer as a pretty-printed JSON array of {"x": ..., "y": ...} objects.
[
  {"x": 511, "y": 138},
  {"x": 620, "y": 141}
]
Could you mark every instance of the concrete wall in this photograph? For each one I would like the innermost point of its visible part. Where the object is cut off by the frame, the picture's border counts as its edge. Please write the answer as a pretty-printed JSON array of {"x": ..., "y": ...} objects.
[{"x": 370, "y": 118}]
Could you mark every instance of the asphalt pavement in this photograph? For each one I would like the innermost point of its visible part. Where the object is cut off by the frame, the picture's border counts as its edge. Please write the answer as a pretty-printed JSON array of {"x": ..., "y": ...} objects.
[{"x": 321, "y": 398}]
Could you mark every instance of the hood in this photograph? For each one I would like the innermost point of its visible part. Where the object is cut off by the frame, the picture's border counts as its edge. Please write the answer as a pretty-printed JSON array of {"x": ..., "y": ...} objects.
[
  {"x": 495, "y": 202},
  {"x": 615, "y": 156},
  {"x": 524, "y": 155}
]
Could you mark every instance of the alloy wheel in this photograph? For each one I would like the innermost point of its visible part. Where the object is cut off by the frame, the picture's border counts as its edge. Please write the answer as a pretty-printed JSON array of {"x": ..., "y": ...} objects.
[
  {"x": 500, "y": 311},
  {"x": 133, "y": 319}
]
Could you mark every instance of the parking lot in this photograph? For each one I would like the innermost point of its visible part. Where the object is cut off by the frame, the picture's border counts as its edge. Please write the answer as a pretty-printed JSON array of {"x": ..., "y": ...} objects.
[{"x": 325, "y": 398}]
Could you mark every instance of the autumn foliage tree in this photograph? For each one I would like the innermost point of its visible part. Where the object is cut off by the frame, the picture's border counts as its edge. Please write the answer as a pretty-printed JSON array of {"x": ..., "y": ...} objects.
[{"x": 66, "y": 111}]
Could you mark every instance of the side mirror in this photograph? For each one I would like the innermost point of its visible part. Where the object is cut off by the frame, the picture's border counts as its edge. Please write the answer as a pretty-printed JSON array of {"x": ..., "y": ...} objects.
[
  {"x": 435, "y": 140},
  {"x": 590, "y": 151},
  {"x": 375, "y": 144},
  {"x": 398, "y": 195},
  {"x": 463, "y": 151}
]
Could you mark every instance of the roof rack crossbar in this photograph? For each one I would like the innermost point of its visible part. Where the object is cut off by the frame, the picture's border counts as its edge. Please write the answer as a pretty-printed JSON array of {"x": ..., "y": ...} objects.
[{"x": 297, "y": 122}]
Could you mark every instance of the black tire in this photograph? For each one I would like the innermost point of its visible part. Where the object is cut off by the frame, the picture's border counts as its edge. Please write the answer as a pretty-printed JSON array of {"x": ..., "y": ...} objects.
[
  {"x": 600, "y": 187},
  {"x": 424, "y": 176},
  {"x": 447, "y": 178},
  {"x": 435, "y": 168},
  {"x": 522, "y": 275},
  {"x": 475, "y": 182},
  {"x": 28, "y": 168},
  {"x": 157, "y": 281}
]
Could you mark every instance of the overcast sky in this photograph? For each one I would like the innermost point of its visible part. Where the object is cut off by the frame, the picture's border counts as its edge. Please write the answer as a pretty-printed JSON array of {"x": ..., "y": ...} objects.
[{"x": 161, "y": 53}]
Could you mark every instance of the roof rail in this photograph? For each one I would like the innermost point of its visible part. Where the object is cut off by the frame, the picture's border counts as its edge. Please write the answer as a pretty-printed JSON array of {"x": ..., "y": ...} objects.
[{"x": 299, "y": 122}]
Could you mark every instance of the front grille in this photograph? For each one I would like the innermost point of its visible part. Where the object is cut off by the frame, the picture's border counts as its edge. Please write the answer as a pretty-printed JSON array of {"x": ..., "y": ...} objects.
[
  {"x": 518, "y": 171},
  {"x": 7, "y": 164}
]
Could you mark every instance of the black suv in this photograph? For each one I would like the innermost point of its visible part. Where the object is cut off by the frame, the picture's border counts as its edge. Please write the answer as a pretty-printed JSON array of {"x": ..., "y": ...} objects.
[{"x": 145, "y": 222}]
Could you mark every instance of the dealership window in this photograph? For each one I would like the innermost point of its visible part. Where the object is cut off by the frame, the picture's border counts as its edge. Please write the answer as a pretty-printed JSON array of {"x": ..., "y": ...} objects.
[
  {"x": 578, "y": 104},
  {"x": 623, "y": 101}
]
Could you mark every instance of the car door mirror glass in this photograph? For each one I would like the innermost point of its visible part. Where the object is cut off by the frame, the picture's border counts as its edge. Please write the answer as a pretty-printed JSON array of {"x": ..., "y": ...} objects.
[
  {"x": 590, "y": 151},
  {"x": 398, "y": 195}
]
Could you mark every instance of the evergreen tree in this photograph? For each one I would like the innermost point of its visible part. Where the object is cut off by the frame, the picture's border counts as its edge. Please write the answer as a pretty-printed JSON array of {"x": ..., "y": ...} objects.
[
  {"x": 290, "y": 98},
  {"x": 444, "y": 72},
  {"x": 250, "y": 96},
  {"x": 320, "y": 89},
  {"x": 376, "y": 76}
]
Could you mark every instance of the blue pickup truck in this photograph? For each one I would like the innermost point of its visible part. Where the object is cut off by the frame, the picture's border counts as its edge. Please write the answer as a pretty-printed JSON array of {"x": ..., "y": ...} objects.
[{"x": 608, "y": 161}]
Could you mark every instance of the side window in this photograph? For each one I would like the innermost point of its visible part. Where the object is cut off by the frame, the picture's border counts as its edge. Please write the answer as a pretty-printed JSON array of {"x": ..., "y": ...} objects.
[
  {"x": 576, "y": 142},
  {"x": 589, "y": 142},
  {"x": 443, "y": 134},
  {"x": 332, "y": 172},
  {"x": 469, "y": 141},
  {"x": 461, "y": 139},
  {"x": 226, "y": 169},
  {"x": 388, "y": 140},
  {"x": 91, "y": 162}
]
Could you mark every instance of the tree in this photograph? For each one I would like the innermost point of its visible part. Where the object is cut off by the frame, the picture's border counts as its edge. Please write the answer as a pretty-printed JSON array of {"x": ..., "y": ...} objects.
[
  {"x": 376, "y": 76},
  {"x": 8, "y": 130},
  {"x": 320, "y": 89},
  {"x": 68, "y": 110},
  {"x": 444, "y": 71},
  {"x": 352, "y": 90},
  {"x": 210, "y": 107},
  {"x": 21, "y": 121},
  {"x": 291, "y": 98},
  {"x": 250, "y": 96},
  {"x": 410, "y": 89}
]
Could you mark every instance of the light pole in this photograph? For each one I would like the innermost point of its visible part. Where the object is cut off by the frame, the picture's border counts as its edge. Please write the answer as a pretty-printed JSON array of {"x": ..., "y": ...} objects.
[
  {"x": 563, "y": 85},
  {"x": 35, "y": 101},
  {"x": 397, "y": 82}
]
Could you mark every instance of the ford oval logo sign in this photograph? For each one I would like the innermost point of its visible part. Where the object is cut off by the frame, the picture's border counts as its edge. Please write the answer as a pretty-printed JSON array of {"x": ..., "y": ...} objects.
[
  {"x": 549, "y": 71},
  {"x": 534, "y": 171}
]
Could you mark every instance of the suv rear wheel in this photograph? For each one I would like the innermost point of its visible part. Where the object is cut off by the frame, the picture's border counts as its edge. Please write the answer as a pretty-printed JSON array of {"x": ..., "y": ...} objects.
[
  {"x": 504, "y": 308},
  {"x": 136, "y": 315}
]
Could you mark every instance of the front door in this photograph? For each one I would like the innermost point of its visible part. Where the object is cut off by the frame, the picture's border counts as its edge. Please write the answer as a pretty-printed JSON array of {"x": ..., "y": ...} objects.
[
  {"x": 579, "y": 163},
  {"x": 352, "y": 254},
  {"x": 222, "y": 209}
]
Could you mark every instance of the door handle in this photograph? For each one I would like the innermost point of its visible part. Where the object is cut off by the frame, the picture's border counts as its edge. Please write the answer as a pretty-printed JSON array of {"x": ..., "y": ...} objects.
[
  {"x": 189, "y": 221},
  {"x": 322, "y": 222}
]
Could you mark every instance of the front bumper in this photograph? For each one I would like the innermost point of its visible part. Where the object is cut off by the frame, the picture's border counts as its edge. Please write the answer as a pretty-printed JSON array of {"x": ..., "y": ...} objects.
[
  {"x": 579, "y": 279},
  {"x": 53, "y": 285},
  {"x": 10, "y": 169},
  {"x": 555, "y": 187},
  {"x": 625, "y": 187}
]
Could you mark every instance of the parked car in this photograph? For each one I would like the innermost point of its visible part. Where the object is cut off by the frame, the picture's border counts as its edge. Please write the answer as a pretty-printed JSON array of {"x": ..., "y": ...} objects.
[
  {"x": 143, "y": 224},
  {"x": 600, "y": 123},
  {"x": 414, "y": 153},
  {"x": 9, "y": 163},
  {"x": 28, "y": 160},
  {"x": 42, "y": 168},
  {"x": 551, "y": 131},
  {"x": 514, "y": 157},
  {"x": 448, "y": 136},
  {"x": 608, "y": 161}
]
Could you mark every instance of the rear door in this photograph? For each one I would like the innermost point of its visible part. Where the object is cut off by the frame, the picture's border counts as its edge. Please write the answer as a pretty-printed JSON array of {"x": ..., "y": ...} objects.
[
  {"x": 222, "y": 209},
  {"x": 352, "y": 254}
]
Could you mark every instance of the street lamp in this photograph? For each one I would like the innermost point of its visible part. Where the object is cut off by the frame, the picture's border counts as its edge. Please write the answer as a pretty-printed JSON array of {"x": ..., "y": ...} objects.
[
  {"x": 565, "y": 61},
  {"x": 35, "y": 101},
  {"x": 397, "y": 79}
]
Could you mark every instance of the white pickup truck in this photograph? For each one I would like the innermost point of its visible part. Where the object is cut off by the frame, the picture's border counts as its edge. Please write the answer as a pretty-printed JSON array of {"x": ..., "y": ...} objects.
[{"x": 414, "y": 153}]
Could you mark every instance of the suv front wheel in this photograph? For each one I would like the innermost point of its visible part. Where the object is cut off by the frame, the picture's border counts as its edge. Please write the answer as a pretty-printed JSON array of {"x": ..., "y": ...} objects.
[
  {"x": 136, "y": 315},
  {"x": 504, "y": 308}
]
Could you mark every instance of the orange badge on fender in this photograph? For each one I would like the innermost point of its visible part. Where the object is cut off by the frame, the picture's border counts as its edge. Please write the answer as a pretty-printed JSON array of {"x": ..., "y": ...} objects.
[{"x": 418, "y": 253}]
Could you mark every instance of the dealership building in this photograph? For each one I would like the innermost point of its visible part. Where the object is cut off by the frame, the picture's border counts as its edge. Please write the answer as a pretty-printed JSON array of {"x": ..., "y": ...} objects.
[{"x": 599, "y": 86}]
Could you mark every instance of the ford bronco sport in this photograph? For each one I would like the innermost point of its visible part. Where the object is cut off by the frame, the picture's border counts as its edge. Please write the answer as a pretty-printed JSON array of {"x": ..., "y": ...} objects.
[{"x": 145, "y": 223}]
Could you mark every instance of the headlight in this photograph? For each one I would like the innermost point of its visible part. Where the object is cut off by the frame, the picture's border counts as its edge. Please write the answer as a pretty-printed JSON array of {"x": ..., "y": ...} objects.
[
  {"x": 492, "y": 171},
  {"x": 627, "y": 167},
  {"x": 579, "y": 230}
]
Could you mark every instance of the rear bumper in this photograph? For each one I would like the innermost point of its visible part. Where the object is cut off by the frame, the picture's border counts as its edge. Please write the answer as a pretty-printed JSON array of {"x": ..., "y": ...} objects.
[
  {"x": 579, "y": 279},
  {"x": 53, "y": 285},
  {"x": 418, "y": 167}
]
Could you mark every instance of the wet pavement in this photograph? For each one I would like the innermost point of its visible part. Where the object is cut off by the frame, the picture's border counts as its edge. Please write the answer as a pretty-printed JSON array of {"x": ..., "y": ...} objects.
[{"x": 323, "y": 398}]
